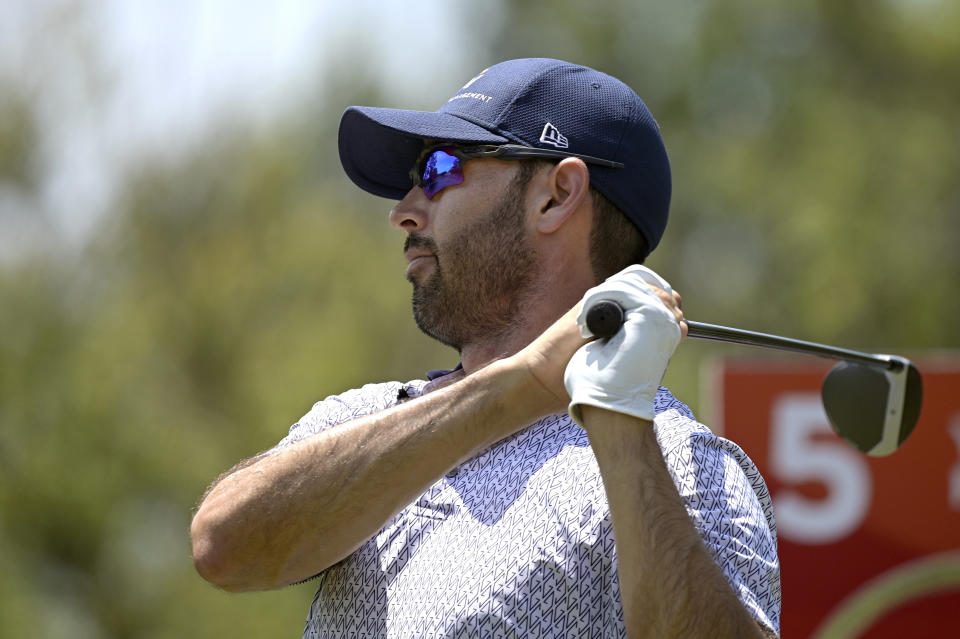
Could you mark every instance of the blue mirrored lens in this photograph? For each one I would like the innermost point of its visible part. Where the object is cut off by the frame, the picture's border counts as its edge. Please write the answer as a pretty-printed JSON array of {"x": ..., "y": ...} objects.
[{"x": 442, "y": 169}]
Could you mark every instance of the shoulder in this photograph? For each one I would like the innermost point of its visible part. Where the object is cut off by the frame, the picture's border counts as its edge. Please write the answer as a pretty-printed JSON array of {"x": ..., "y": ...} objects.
[
  {"x": 352, "y": 404},
  {"x": 705, "y": 465},
  {"x": 674, "y": 422},
  {"x": 678, "y": 428}
]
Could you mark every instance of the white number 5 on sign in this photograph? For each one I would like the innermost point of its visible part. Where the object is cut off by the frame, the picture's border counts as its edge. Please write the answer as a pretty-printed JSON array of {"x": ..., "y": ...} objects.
[{"x": 800, "y": 455}]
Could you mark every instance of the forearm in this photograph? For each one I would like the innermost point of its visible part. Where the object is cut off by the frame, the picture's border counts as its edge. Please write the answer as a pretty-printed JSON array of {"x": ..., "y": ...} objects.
[
  {"x": 669, "y": 584},
  {"x": 292, "y": 514}
]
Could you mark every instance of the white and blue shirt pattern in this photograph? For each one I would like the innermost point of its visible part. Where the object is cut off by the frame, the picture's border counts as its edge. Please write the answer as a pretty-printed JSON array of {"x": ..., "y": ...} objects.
[{"x": 518, "y": 541}]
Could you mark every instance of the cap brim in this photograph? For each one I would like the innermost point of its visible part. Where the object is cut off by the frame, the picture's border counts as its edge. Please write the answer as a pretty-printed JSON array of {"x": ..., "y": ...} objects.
[{"x": 378, "y": 146}]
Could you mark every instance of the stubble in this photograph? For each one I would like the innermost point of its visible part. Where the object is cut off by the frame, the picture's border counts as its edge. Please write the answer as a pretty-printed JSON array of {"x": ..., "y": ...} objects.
[{"x": 481, "y": 277}]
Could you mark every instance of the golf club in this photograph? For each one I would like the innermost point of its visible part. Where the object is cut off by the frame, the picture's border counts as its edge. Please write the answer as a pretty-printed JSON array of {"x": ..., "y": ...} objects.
[{"x": 872, "y": 401}]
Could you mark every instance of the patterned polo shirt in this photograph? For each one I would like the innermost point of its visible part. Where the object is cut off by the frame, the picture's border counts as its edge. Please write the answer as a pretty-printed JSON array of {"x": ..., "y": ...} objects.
[{"x": 518, "y": 542}]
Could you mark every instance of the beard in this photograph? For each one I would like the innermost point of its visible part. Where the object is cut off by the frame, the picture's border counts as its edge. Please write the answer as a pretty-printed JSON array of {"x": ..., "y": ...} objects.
[{"x": 480, "y": 278}]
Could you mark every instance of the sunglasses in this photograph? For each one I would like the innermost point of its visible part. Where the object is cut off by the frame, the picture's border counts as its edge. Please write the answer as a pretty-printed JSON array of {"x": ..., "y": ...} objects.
[{"x": 441, "y": 166}]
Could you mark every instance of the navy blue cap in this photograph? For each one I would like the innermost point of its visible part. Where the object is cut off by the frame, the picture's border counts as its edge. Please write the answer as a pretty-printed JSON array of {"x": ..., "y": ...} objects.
[{"x": 536, "y": 102}]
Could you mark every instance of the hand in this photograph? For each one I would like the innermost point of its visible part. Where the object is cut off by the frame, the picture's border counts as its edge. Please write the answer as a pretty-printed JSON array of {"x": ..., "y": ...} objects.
[
  {"x": 545, "y": 360},
  {"x": 622, "y": 373}
]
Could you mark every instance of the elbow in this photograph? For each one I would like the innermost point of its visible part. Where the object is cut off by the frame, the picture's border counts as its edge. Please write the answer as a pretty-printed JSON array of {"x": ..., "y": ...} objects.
[{"x": 213, "y": 558}]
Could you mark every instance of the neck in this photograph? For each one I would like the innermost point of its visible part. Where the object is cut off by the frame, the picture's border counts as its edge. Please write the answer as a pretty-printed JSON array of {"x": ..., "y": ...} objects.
[
  {"x": 539, "y": 309},
  {"x": 478, "y": 354}
]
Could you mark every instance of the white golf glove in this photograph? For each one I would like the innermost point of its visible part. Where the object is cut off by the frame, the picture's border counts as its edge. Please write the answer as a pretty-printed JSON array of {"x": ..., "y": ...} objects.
[{"x": 622, "y": 373}]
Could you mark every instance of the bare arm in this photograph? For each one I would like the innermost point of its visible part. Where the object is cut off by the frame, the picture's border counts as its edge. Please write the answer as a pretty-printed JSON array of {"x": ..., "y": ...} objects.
[
  {"x": 287, "y": 516},
  {"x": 669, "y": 583}
]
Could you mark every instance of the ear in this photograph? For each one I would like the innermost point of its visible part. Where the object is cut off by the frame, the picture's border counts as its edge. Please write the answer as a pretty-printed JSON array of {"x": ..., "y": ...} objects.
[{"x": 564, "y": 194}]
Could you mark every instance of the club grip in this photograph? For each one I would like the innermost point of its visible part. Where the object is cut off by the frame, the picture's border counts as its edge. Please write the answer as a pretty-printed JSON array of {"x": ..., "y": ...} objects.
[{"x": 604, "y": 318}]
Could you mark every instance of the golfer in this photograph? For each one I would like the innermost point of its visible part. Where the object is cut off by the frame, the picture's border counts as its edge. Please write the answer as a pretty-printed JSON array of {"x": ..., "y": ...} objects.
[{"x": 547, "y": 486}]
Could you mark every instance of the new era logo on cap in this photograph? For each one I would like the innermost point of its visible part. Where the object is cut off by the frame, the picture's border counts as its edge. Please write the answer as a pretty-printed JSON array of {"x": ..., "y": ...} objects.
[{"x": 551, "y": 135}]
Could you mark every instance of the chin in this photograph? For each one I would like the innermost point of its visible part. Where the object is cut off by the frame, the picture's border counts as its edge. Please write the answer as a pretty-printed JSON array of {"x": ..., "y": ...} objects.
[{"x": 434, "y": 319}]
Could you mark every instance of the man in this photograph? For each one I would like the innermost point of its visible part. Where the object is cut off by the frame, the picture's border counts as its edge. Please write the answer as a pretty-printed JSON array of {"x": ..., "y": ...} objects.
[{"x": 473, "y": 504}]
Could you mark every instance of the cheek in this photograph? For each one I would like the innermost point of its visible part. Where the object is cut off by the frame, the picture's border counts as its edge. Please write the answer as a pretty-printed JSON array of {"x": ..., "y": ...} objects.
[
  {"x": 441, "y": 229},
  {"x": 452, "y": 213},
  {"x": 470, "y": 205}
]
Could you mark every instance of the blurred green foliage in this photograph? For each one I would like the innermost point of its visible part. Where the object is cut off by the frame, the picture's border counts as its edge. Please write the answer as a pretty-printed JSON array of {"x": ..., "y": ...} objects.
[{"x": 815, "y": 150}]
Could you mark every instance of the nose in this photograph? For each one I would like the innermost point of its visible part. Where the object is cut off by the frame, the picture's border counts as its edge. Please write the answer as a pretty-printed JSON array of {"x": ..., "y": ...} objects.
[{"x": 410, "y": 213}]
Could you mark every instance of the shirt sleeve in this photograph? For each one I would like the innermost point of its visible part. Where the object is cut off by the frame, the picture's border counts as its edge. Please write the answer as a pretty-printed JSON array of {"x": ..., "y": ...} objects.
[
  {"x": 339, "y": 409},
  {"x": 728, "y": 501}
]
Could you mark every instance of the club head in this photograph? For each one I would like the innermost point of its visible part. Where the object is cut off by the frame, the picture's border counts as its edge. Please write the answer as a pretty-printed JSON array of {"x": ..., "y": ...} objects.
[{"x": 873, "y": 409}]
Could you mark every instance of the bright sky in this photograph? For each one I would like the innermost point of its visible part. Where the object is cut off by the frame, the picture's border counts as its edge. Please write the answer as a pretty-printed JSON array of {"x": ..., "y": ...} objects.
[
  {"x": 173, "y": 65},
  {"x": 185, "y": 58}
]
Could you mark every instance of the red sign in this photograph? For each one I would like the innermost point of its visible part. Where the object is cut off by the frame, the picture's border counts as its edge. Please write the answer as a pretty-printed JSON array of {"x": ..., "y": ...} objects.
[{"x": 869, "y": 547}]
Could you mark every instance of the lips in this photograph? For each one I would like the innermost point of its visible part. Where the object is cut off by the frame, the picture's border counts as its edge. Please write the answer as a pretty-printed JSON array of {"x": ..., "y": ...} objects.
[
  {"x": 414, "y": 255},
  {"x": 418, "y": 250},
  {"x": 416, "y": 260}
]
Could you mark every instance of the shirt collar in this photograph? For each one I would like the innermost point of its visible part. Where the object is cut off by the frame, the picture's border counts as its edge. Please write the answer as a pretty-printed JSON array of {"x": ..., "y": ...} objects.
[{"x": 440, "y": 372}]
